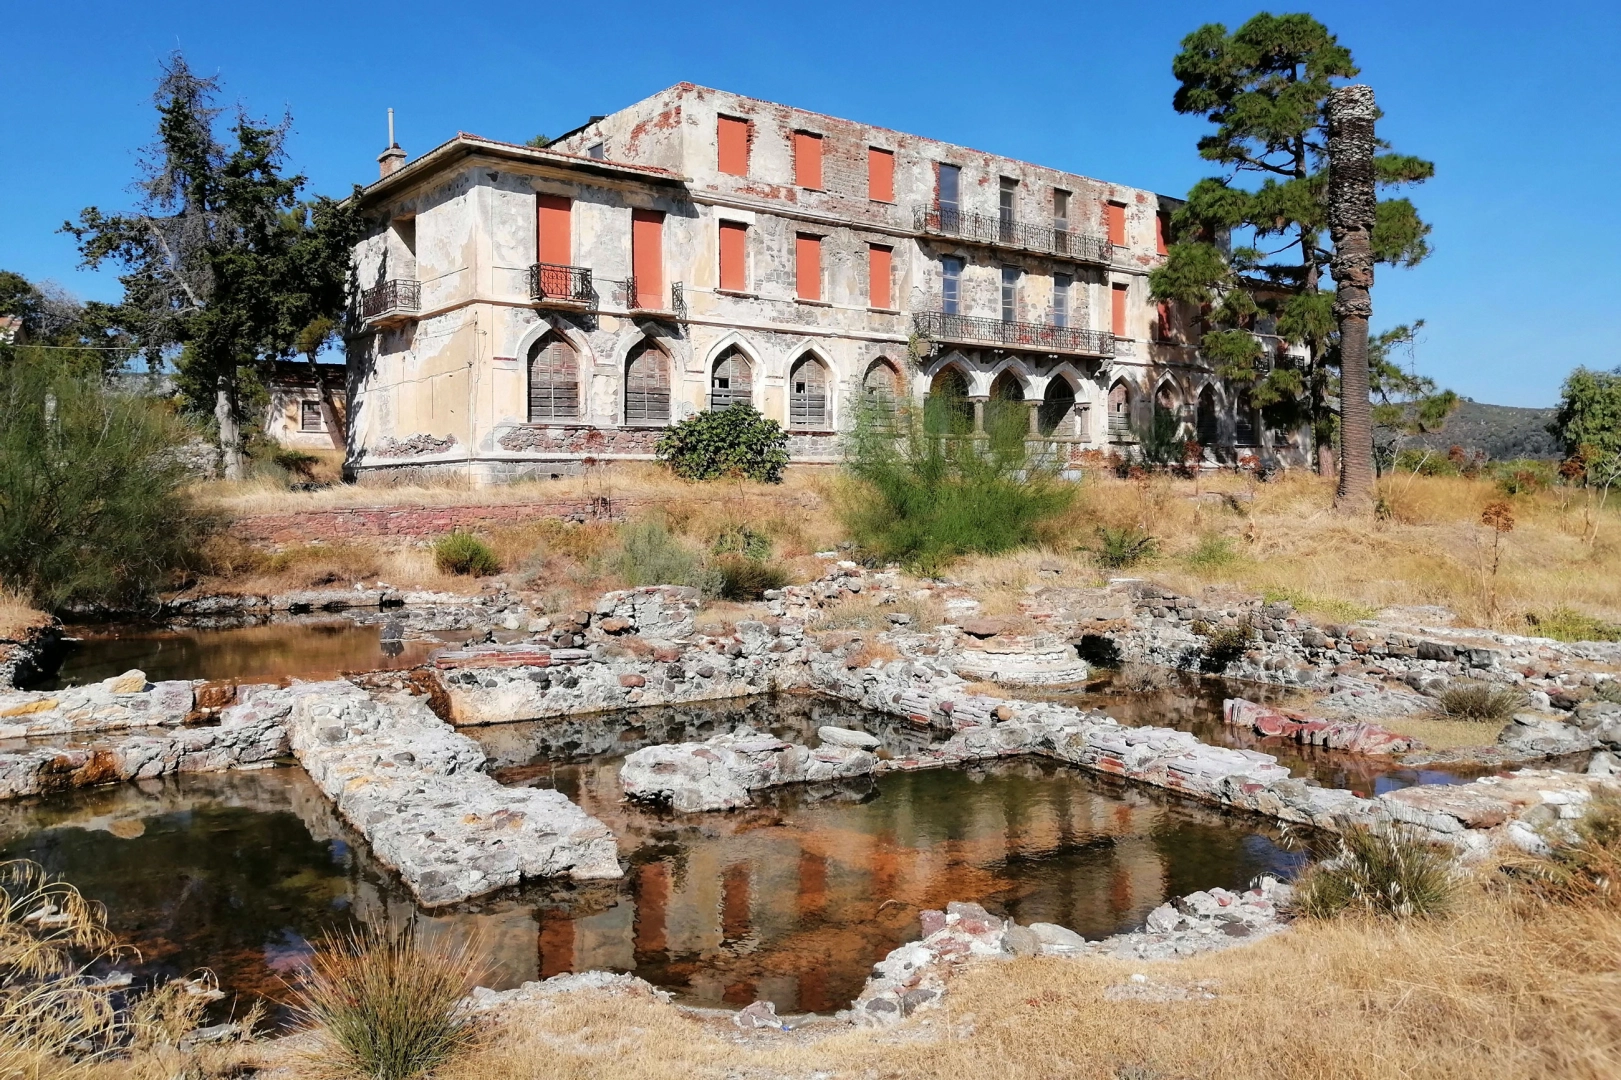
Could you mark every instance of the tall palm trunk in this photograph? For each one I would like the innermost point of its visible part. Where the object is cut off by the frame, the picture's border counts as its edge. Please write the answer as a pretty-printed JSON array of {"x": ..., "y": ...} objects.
[{"x": 1351, "y": 210}]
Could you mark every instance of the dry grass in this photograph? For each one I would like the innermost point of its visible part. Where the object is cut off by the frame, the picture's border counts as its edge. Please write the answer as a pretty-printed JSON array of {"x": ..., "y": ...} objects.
[
  {"x": 1442, "y": 734},
  {"x": 18, "y": 616},
  {"x": 1506, "y": 988}
]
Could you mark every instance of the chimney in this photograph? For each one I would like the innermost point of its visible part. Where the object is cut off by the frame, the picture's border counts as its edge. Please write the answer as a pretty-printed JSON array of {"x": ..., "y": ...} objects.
[{"x": 391, "y": 159}]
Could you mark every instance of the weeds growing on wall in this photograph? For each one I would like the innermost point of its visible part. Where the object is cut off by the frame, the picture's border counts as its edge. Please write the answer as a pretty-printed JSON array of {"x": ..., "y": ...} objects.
[
  {"x": 1122, "y": 546},
  {"x": 91, "y": 502},
  {"x": 1389, "y": 871}
]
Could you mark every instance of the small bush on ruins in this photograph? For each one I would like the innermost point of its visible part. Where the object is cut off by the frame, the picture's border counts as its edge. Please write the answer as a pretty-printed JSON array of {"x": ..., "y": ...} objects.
[
  {"x": 1388, "y": 871},
  {"x": 465, "y": 554},
  {"x": 1223, "y": 645},
  {"x": 742, "y": 540},
  {"x": 1479, "y": 701},
  {"x": 386, "y": 1005},
  {"x": 1567, "y": 624},
  {"x": 735, "y": 442},
  {"x": 927, "y": 490},
  {"x": 1213, "y": 553},
  {"x": 1119, "y": 547},
  {"x": 92, "y": 506},
  {"x": 649, "y": 554},
  {"x": 743, "y": 578}
]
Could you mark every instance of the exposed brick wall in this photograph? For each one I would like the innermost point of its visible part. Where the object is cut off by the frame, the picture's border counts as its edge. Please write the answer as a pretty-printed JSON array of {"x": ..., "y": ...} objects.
[{"x": 347, "y": 523}]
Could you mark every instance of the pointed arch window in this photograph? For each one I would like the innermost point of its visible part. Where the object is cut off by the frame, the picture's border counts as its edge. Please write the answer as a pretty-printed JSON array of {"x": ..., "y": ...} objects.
[
  {"x": 554, "y": 380},
  {"x": 807, "y": 394},
  {"x": 1206, "y": 426},
  {"x": 732, "y": 381},
  {"x": 647, "y": 386},
  {"x": 1120, "y": 410}
]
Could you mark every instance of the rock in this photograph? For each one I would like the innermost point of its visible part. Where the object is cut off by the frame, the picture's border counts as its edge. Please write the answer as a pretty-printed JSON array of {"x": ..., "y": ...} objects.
[
  {"x": 837, "y": 736},
  {"x": 981, "y": 628},
  {"x": 1604, "y": 763},
  {"x": 131, "y": 682},
  {"x": 217, "y": 1033},
  {"x": 1057, "y": 940},
  {"x": 719, "y": 773},
  {"x": 1533, "y": 733},
  {"x": 1021, "y": 941},
  {"x": 761, "y": 1014}
]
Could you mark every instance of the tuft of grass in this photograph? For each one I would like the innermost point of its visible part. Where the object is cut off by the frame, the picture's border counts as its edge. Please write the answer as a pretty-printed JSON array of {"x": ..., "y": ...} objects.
[
  {"x": 1388, "y": 872},
  {"x": 465, "y": 554},
  {"x": 385, "y": 1004},
  {"x": 1335, "y": 609},
  {"x": 1479, "y": 701},
  {"x": 1213, "y": 553},
  {"x": 1567, "y": 624},
  {"x": 1123, "y": 546},
  {"x": 1584, "y": 866},
  {"x": 1223, "y": 645},
  {"x": 743, "y": 578}
]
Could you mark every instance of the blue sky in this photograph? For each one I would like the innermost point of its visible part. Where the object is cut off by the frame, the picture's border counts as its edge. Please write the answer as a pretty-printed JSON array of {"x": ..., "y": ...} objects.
[{"x": 1507, "y": 100}]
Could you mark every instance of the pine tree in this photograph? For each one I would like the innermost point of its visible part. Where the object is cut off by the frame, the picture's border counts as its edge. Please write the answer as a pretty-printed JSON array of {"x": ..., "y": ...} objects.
[{"x": 1265, "y": 87}]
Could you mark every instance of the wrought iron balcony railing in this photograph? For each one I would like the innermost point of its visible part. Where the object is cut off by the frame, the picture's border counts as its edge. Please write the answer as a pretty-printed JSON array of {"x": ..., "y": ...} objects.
[
  {"x": 1012, "y": 233},
  {"x": 549, "y": 282},
  {"x": 633, "y": 300},
  {"x": 1034, "y": 337},
  {"x": 391, "y": 298}
]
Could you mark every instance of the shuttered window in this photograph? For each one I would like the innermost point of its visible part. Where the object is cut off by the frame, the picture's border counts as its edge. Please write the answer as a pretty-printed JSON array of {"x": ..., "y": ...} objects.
[
  {"x": 647, "y": 257},
  {"x": 880, "y": 174},
  {"x": 880, "y": 262},
  {"x": 808, "y": 266},
  {"x": 554, "y": 380},
  {"x": 731, "y": 382},
  {"x": 309, "y": 416},
  {"x": 807, "y": 397},
  {"x": 733, "y": 256},
  {"x": 647, "y": 386},
  {"x": 732, "y": 145},
  {"x": 553, "y": 220},
  {"x": 1060, "y": 312},
  {"x": 1010, "y": 294},
  {"x": 1117, "y": 310},
  {"x": 951, "y": 285},
  {"x": 808, "y": 160},
  {"x": 1115, "y": 215},
  {"x": 1162, "y": 231},
  {"x": 881, "y": 382}
]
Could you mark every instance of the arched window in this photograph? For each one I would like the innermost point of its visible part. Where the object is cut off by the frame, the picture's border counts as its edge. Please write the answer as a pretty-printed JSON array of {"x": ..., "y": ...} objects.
[
  {"x": 948, "y": 406},
  {"x": 732, "y": 381},
  {"x": 647, "y": 385},
  {"x": 1244, "y": 420},
  {"x": 554, "y": 380},
  {"x": 1007, "y": 387},
  {"x": 882, "y": 382},
  {"x": 1057, "y": 415},
  {"x": 1167, "y": 412},
  {"x": 1120, "y": 410},
  {"x": 807, "y": 394},
  {"x": 1207, "y": 417}
]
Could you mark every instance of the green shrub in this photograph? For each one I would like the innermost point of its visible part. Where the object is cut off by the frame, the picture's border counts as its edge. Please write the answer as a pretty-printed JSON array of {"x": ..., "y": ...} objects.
[
  {"x": 92, "y": 507},
  {"x": 297, "y": 462},
  {"x": 1426, "y": 463},
  {"x": 1481, "y": 701},
  {"x": 1223, "y": 645},
  {"x": 385, "y": 1005},
  {"x": 648, "y": 554},
  {"x": 1161, "y": 441},
  {"x": 1391, "y": 871},
  {"x": 1213, "y": 552},
  {"x": 928, "y": 491},
  {"x": 742, "y": 540},
  {"x": 733, "y": 442},
  {"x": 743, "y": 578},
  {"x": 1127, "y": 545},
  {"x": 463, "y": 553},
  {"x": 1566, "y": 624}
]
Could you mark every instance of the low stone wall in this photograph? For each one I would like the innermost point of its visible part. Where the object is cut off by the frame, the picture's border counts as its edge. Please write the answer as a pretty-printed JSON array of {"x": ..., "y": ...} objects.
[
  {"x": 124, "y": 701},
  {"x": 355, "y": 522}
]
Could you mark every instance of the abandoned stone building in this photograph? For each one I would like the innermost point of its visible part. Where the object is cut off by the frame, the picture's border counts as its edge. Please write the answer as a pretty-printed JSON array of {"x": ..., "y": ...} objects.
[{"x": 523, "y": 309}]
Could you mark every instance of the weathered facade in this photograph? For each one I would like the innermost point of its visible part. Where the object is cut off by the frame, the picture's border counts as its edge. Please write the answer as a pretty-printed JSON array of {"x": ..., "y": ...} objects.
[
  {"x": 307, "y": 407},
  {"x": 524, "y": 309}
]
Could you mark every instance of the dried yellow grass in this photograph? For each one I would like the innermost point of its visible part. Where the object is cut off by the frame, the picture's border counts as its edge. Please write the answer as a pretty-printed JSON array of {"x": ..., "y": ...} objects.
[{"x": 18, "y": 616}]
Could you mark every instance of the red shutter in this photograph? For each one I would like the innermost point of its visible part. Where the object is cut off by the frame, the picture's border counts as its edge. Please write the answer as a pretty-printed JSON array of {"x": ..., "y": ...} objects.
[
  {"x": 878, "y": 276},
  {"x": 553, "y": 221},
  {"x": 808, "y": 160},
  {"x": 1163, "y": 313},
  {"x": 647, "y": 257},
  {"x": 1117, "y": 311},
  {"x": 732, "y": 145},
  {"x": 1116, "y": 213},
  {"x": 808, "y": 266},
  {"x": 1162, "y": 229},
  {"x": 880, "y": 175},
  {"x": 733, "y": 253}
]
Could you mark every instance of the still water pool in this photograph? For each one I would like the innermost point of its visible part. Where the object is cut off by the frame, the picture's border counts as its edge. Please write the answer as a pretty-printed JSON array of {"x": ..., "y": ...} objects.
[{"x": 791, "y": 900}]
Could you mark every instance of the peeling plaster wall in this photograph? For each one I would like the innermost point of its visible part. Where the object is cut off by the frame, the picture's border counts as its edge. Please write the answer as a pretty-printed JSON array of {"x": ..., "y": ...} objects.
[{"x": 460, "y": 372}]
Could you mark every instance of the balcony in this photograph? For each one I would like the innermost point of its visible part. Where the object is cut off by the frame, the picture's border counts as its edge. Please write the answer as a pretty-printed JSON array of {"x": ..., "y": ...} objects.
[
  {"x": 392, "y": 301},
  {"x": 1028, "y": 337},
  {"x": 634, "y": 301},
  {"x": 1012, "y": 233},
  {"x": 553, "y": 284}
]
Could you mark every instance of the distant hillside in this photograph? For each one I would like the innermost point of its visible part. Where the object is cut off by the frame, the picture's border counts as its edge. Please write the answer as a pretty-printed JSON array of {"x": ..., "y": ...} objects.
[{"x": 1502, "y": 431}]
